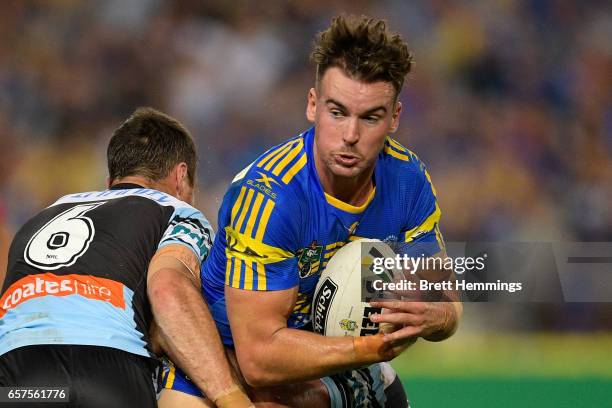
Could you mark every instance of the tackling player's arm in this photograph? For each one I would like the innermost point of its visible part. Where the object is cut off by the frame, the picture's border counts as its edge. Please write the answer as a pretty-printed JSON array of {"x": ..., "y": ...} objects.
[{"x": 186, "y": 330}]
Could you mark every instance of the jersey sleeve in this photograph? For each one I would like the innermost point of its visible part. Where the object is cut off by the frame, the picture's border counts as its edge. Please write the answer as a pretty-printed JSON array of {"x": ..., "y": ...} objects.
[
  {"x": 421, "y": 232},
  {"x": 261, "y": 240},
  {"x": 189, "y": 227}
]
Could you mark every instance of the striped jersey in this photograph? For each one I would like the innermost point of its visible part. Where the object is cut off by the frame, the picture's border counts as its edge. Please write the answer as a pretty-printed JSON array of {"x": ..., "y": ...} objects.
[
  {"x": 77, "y": 271},
  {"x": 278, "y": 228}
]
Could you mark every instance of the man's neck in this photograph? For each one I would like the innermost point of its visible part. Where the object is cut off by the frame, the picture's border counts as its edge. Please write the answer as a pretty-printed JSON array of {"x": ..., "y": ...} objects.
[
  {"x": 139, "y": 180},
  {"x": 163, "y": 185}
]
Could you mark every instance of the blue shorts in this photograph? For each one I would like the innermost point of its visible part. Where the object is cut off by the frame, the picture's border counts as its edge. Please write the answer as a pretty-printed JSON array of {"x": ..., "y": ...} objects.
[
  {"x": 376, "y": 385},
  {"x": 175, "y": 379}
]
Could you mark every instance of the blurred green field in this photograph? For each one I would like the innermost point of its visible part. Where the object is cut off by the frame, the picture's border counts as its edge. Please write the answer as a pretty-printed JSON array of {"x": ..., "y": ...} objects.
[{"x": 510, "y": 370}]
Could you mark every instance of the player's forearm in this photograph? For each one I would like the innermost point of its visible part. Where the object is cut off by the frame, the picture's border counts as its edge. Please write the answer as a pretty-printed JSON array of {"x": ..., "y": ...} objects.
[
  {"x": 189, "y": 333},
  {"x": 292, "y": 355}
]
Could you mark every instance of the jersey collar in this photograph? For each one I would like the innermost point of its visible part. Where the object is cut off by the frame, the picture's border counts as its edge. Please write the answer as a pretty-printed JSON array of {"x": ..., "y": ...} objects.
[{"x": 125, "y": 186}]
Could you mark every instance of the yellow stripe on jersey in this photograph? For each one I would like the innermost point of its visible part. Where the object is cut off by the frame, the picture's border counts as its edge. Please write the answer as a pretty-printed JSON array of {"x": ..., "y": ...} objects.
[
  {"x": 331, "y": 253},
  {"x": 396, "y": 144},
  {"x": 350, "y": 208},
  {"x": 335, "y": 244},
  {"x": 302, "y": 305},
  {"x": 254, "y": 254},
  {"x": 281, "y": 153},
  {"x": 171, "y": 376},
  {"x": 283, "y": 163},
  {"x": 273, "y": 153},
  {"x": 248, "y": 276},
  {"x": 277, "y": 157},
  {"x": 228, "y": 270},
  {"x": 238, "y": 203},
  {"x": 243, "y": 247},
  {"x": 263, "y": 222},
  {"x": 254, "y": 269},
  {"x": 294, "y": 169},
  {"x": 395, "y": 154},
  {"x": 261, "y": 277},
  {"x": 253, "y": 215},
  {"x": 243, "y": 211},
  {"x": 433, "y": 189},
  {"x": 440, "y": 238},
  {"x": 426, "y": 226},
  {"x": 236, "y": 274}
]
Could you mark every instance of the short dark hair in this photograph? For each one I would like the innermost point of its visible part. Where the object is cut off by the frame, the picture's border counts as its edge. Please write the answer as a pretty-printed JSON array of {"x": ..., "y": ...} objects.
[
  {"x": 363, "y": 48},
  {"x": 150, "y": 143}
]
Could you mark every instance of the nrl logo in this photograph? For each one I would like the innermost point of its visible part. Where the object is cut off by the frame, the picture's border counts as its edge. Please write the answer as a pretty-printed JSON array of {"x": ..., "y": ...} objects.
[
  {"x": 348, "y": 325},
  {"x": 309, "y": 259}
]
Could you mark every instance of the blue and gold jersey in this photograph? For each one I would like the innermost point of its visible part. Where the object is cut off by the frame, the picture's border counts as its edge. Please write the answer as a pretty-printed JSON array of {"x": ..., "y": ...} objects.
[{"x": 278, "y": 228}]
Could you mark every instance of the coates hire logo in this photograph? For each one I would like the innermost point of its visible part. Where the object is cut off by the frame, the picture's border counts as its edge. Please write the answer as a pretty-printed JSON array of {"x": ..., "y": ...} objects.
[{"x": 48, "y": 284}]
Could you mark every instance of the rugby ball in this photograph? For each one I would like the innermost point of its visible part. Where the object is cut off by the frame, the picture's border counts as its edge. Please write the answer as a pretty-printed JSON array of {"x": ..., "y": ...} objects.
[{"x": 337, "y": 307}]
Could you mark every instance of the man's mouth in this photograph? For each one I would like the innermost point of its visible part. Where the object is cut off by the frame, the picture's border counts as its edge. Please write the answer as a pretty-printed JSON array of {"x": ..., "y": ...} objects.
[{"x": 346, "y": 159}]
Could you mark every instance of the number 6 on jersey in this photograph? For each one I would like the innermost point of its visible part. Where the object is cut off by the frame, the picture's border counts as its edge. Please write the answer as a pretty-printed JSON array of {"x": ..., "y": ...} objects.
[{"x": 63, "y": 240}]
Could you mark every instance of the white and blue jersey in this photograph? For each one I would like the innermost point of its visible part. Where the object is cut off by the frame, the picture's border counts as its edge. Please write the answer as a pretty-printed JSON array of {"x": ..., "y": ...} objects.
[{"x": 77, "y": 271}]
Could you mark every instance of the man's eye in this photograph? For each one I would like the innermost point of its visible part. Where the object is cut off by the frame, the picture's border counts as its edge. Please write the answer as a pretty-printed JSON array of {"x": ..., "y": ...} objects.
[
  {"x": 336, "y": 113},
  {"x": 371, "y": 119}
]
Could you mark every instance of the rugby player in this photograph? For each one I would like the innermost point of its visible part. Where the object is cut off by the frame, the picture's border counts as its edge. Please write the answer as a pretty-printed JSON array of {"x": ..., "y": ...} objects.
[
  {"x": 87, "y": 276},
  {"x": 287, "y": 213}
]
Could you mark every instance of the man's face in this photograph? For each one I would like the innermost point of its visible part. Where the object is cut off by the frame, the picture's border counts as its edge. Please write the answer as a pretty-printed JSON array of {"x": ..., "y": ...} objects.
[{"x": 352, "y": 119}]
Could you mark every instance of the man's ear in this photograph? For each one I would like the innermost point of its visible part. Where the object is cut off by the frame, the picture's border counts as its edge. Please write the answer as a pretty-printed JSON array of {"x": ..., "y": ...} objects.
[
  {"x": 176, "y": 177},
  {"x": 180, "y": 175},
  {"x": 396, "y": 117},
  {"x": 311, "y": 105}
]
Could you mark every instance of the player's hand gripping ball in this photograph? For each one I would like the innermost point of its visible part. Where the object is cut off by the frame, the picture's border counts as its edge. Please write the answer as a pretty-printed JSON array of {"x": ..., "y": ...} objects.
[{"x": 337, "y": 308}]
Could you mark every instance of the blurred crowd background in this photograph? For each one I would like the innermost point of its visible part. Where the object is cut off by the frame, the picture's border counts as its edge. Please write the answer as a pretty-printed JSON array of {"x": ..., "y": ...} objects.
[{"x": 509, "y": 104}]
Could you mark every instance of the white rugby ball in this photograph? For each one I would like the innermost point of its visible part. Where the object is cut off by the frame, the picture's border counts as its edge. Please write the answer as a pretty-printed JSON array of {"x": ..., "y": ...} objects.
[{"x": 337, "y": 309}]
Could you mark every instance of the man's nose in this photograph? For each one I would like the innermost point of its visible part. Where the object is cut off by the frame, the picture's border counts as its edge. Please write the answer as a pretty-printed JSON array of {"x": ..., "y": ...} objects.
[{"x": 351, "y": 133}]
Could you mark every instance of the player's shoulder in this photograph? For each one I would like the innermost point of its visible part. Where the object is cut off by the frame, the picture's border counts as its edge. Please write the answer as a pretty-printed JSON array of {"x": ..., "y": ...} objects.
[
  {"x": 141, "y": 194},
  {"x": 399, "y": 161},
  {"x": 404, "y": 168},
  {"x": 278, "y": 174},
  {"x": 146, "y": 202}
]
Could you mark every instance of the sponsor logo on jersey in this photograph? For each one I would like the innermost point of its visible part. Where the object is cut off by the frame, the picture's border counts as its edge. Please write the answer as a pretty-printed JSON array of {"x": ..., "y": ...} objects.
[
  {"x": 264, "y": 184},
  {"x": 309, "y": 259},
  {"x": 322, "y": 301},
  {"x": 48, "y": 284},
  {"x": 266, "y": 180}
]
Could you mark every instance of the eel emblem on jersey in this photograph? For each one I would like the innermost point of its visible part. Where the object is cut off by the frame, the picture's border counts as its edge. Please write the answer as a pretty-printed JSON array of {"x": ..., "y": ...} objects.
[{"x": 309, "y": 259}]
